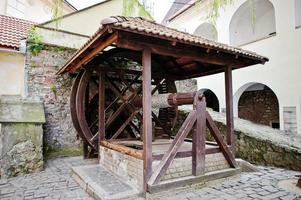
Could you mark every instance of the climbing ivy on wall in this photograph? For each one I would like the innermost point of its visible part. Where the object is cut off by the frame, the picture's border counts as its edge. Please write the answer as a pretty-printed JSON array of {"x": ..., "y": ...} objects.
[
  {"x": 34, "y": 41},
  {"x": 57, "y": 11}
]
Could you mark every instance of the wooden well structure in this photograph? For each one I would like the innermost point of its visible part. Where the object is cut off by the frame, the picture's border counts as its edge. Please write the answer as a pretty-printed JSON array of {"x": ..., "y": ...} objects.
[{"x": 124, "y": 96}]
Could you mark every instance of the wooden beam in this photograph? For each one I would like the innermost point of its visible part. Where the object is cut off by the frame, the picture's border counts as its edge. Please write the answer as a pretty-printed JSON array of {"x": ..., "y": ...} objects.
[
  {"x": 229, "y": 108},
  {"x": 101, "y": 109},
  {"x": 122, "y": 149},
  {"x": 173, "y": 149},
  {"x": 147, "y": 116},
  {"x": 101, "y": 45},
  {"x": 229, "y": 156},
  {"x": 161, "y": 47},
  {"x": 185, "y": 154},
  {"x": 199, "y": 137},
  {"x": 124, "y": 125}
]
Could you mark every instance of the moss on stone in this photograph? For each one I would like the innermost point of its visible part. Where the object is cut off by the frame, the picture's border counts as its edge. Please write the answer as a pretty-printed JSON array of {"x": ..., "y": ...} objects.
[{"x": 63, "y": 152}]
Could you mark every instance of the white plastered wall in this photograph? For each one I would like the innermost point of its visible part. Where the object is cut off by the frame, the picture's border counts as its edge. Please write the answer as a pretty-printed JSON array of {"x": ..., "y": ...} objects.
[
  {"x": 11, "y": 73},
  {"x": 281, "y": 73}
]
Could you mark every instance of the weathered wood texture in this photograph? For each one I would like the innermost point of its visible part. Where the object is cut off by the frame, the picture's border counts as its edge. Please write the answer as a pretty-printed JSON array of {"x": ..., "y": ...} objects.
[
  {"x": 229, "y": 107},
  {"x": 199, "y": 137},
  {"x": 147, "y": 113}
]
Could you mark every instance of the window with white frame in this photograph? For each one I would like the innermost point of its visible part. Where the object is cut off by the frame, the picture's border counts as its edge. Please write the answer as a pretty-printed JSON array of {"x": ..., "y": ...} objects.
[
  {"x": 298, "y": 13},
  {"x": 16, "y": 8},
  {"x": 244, "y": 29}
]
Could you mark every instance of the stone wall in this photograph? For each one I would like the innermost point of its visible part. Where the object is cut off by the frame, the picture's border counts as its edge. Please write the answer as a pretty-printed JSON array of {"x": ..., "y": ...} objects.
[
  {"x": 21, "y": 136},
  {"x": 54, "y": 91},
  {"x": 263, "y": 145},
  {"x": 259, "y": 106}
]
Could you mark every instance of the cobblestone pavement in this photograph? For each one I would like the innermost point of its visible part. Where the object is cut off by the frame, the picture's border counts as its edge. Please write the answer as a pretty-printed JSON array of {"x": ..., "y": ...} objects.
[{"x": 55, "y": 182}]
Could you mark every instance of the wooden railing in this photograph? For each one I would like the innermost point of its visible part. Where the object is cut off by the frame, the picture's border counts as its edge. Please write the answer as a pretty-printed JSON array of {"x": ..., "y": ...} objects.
[{"x": 198, "y": 119}]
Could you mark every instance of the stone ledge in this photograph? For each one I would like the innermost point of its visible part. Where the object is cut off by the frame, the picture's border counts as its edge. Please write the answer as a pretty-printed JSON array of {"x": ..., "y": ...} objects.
[{"x": 15, "y": 110}]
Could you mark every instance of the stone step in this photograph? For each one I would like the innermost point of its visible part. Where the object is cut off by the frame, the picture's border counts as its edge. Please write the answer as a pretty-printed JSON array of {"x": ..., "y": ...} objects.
[
  {"x": 187, "y": 181},
  {"x": 103, "y": 184}
]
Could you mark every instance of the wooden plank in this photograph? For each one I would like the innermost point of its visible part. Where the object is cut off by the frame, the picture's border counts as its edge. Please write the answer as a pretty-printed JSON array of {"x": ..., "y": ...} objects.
[
  {"x": 190, "y": 180},
  {"x": 185, "y": 154},
  {"x": 101, "y": 109},
  {"x": 219, "y": 139},
  {"x": 173, "y": 149},
  {"x": 229, "y": 108},
  {"x": 161, "y": 47},
  {"x": 101, "y": 44},
  {"x": 199, "y": 137},
  {"x": 147, "y": 112},
  {"x": 123, "y": 149}
]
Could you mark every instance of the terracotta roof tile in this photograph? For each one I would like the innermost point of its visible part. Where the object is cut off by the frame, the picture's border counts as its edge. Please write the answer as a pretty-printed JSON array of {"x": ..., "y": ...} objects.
[
  {"x": 12, "y": 30},
  {"x": 150, "y": 27}
]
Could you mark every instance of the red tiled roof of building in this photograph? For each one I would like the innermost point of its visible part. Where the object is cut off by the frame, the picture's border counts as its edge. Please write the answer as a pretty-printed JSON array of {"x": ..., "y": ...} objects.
[{"x": 12, "y": 31}]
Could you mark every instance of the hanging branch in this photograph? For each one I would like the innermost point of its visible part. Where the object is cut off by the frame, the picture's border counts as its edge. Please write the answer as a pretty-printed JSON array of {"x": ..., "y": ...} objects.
[
  {"x": 134, "y": 7},
  {"x": 216, "y": 5},
  {"x": 57, "y": 12}
]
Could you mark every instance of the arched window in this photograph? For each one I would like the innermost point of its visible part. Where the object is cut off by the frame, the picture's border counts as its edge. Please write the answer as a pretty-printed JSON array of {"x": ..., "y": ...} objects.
[
  {"x": 241, "y": 29},
  {"x": 206, "y": 30},
  {"x": 298, "y": 13}
]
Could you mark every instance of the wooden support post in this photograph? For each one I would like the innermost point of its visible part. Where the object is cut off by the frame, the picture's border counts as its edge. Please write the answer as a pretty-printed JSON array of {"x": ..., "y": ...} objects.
[
  {"x": 199, "y": 137},
  {"x": 101, "y": 109},
  {"x": 147, "y": 116},
  {"x": 85, "y": 149},
  {"x": 229, "y": 108}
]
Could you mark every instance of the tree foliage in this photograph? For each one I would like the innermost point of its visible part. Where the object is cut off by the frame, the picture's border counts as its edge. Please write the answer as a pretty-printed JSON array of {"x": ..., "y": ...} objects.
[{"x": 136, "y": 8}]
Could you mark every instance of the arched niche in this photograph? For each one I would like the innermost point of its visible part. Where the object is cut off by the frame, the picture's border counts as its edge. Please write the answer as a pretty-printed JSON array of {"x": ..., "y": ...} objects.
[
  {"x": 259, "y": 104},
  {"x": 211, "y": 99},
  {"x": 241, "y": 29},
  {"x": 207, "y": 31}
]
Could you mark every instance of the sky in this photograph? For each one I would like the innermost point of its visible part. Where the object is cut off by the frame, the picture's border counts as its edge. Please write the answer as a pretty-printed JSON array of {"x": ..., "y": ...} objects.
[{"x": 160, "y": 6}]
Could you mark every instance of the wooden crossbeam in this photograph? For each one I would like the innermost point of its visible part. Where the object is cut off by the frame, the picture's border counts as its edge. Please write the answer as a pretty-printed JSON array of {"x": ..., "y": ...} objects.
[
  {"x": 185, "y": 154},
  {"x": 124, "y": 125},
  {"x": 101, "y": 44},
  {"x": 219, "y": 139},
  {"x": 173, "y": 149}
]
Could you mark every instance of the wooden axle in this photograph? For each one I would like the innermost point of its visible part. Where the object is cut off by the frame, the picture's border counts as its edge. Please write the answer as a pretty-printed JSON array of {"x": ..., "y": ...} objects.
[{"x": 169, "y": 100}]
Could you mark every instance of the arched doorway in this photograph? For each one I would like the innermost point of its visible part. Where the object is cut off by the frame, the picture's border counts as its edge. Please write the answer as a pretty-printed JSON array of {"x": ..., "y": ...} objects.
[
  {"x": 243, "y": 31},
  {"x": 206, "y": 30},
  {"x": 259, "y": 104},
  {"x": 211, "y": 100}
]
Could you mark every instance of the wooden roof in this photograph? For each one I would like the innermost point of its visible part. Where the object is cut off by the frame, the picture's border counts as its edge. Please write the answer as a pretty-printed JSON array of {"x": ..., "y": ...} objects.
[{"x": 182, "y": 54}]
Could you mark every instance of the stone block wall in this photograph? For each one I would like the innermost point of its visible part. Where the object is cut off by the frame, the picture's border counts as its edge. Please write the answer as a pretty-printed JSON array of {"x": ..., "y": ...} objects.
[
  {"x": 129, "y": 168},
  {"x": 259, "y": 106},
  {"x": 54, "y": 91},
  {"x": 263, "y": 145},
  {"x": 21, "y": 137}
]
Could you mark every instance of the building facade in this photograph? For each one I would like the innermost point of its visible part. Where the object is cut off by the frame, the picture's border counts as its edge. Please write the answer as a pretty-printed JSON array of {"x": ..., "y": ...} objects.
[
  {"x": 268, "y": 94},
  {"x": 33, "y": 10}
]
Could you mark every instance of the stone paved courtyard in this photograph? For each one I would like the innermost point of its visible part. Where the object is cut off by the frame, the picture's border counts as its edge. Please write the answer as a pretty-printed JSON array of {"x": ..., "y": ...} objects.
[{"x": 55, "y": 182}]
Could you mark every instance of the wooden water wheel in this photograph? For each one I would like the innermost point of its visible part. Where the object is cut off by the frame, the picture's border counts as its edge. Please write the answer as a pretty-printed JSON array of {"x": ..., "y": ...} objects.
[{"x": 123, "y": 118}]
